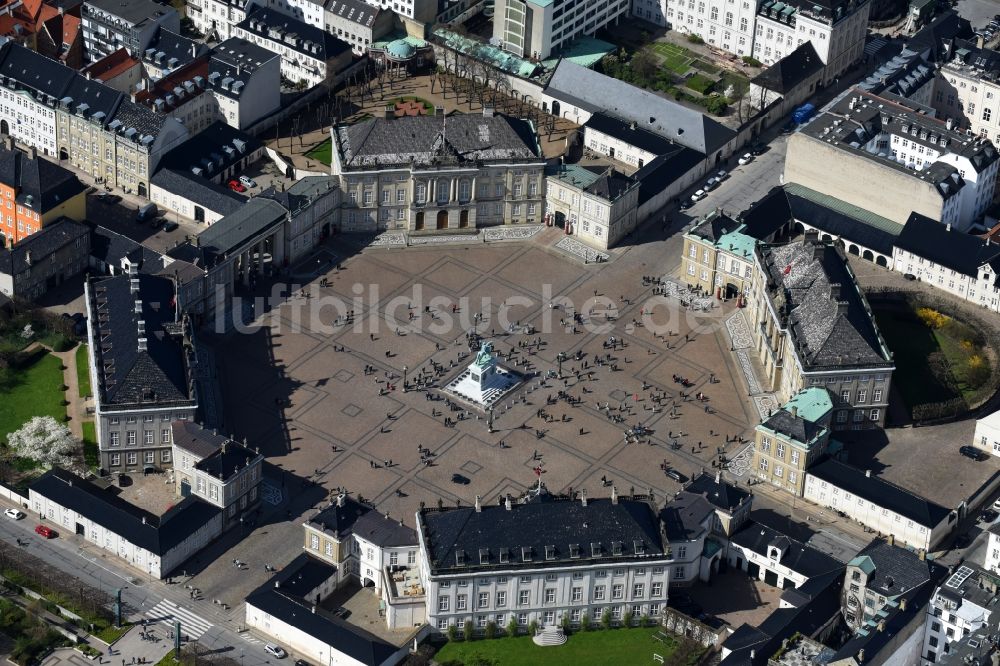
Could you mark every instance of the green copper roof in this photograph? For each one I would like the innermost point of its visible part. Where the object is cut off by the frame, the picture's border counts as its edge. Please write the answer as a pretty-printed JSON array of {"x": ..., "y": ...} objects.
[
  {"x": 573, "y": 174},
  {"x": 811, "y": 404},
  {"x": 858, "y": 213},
  {"x": 737, "y": 243},
  {"x": 864, "y": 563}
]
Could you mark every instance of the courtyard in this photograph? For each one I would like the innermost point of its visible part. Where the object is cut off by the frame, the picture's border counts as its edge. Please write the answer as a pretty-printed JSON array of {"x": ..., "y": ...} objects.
[{"x": 326, "y": 402}]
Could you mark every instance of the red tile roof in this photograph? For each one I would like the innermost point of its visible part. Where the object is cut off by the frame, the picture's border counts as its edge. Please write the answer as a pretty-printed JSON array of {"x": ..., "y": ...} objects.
[{"x": 111, "y": 65}]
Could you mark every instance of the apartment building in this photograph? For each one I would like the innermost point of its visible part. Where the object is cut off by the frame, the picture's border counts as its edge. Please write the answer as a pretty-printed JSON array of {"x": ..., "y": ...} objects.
[
  {"x": 536, "y": 28},
  {"x": 967, "y": 90},
  {"x": 837, "y": 31},
  {"x": 99, "y": 130},
  {"x": 109, "y": 25},
  {"x": 216, "y": 18},
  {"x": 35, "y": 192},
  {"x": 44, "y": 260},
  {"x": 878, "y": 579},
  {"x": 865, "y": 146},
  {"x": 958, "y": 263},
  {"x": 479, "y": 564},
  {"x": 962, "y": 610},
  {"x": 357, "y": 23},
  {"x": 792, "y": 438},
  {"x": 879, "y": 505},
  {"x": 816, "y": 329},
  {"x": 309, "y": 55},
  {"x": 597, "y": 204},
  {"x": 169, "y": 52},
  {"x": 141, "y": 364},
  {"x": 245, "y": 79},
  {"x": 437, "y": 173},
  {"x": 216, "y": 470}
]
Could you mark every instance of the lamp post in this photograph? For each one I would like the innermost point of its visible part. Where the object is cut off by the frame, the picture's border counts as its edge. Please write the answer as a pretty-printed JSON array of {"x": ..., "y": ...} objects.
[
  {"x": 404, "y": 378},
  {"x": 560, "y": 357}
]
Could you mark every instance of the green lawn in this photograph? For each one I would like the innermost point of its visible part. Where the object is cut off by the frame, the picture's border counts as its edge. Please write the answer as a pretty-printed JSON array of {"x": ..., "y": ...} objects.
[
  {"x": 32, "y": 391},
  {"x": 91, "y": 453},
  {"x": 83, "y": 370},
  {"x": 321, "y": 152},
  {"x": 699, "y": 83},
  {"x": 593, "y": 648},
  {"x": 675, "y": 58}
]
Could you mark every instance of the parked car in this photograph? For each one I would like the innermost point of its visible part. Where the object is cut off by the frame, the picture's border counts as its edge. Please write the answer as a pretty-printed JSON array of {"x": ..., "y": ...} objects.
[
  {"x": 989, "y": 515},
  {"x": 909, "y": 276},
  {"x": 275, "y": 650},
  {"x": 721, "y": 175},
  {"x": 758, "y": 149},
  {"x": 996, "y": 505},
  {"x": 698, "y": 196},
  {"x": 157, "y": 222},
  {"x": 710, "y": 184},
  {"x": 459, "y": 479},
  {"x": 13, "y": 514},
  {"x": 676, "y": 476},
  {"x": 146, "y": 212},
  {"x": 169, "y": 225},
  {"x": 972, "y": 452},
  {"x": 248, "y": 181},
  {"x": 108, "y": 199},
  {"x": 45, "y": 531},
  {"x": 686, "y": 204},
  {"x": 746, "y": 159},
  {"x": 235, "y": 186}
]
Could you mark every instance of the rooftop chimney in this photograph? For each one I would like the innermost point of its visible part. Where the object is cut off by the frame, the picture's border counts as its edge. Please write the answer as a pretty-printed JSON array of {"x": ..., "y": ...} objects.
[
  {"x": 718, "y": 476},
  {"x": 583, "y": 497},
  {"x": 794, "y": 410},
  {"x": 614, "y": 494},
  {"x": 868, "y": 473},
  {"x": 479, "y": 507},
  {"x": 506, "y": 503},
  {"x": 144, "y": 520},
  {"x": 340, "y": 499},
  {"x": 892, "y": 539}
]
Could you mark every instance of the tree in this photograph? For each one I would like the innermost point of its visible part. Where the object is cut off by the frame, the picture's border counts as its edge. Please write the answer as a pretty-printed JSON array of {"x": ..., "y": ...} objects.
[
  {"x": 585, "y": 622},
  {"x": 468, "y": 630},
  {"x": 491, "y": 629},
  {"x": 565, "y": 623},
  {"x": 645, "y": 65},
  {"x": 44, "y": 440},
  {"x": 512, "y": 627},
  {"x": 606, "y": 619},
  {"x": 452, "y": 633},
  {"x": 644, "y": 620},
  {"x": 533, "y": 627},
  {"x": 627, "y": 619}
]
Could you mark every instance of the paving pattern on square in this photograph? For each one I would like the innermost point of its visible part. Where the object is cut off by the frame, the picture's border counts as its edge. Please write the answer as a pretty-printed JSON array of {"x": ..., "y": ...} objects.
[{"x": 328, "y": 404}]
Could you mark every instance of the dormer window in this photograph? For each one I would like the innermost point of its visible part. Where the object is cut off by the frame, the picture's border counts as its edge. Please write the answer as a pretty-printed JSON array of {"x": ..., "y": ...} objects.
[
  {"x": 460, "y": 558},
  {"x": 574, "y": 550},
  {"x": 639, "y": 546},
  {"x": 595, "y": 549},
  {"x": 504, "y": 555},
  {"x": 484, "y": 556},
  {"x": 616, "y": 548},
  {"x": 550, "y": 552},
  {"x": 773, "y": 553},
  {"x": 526, "y": 554}
]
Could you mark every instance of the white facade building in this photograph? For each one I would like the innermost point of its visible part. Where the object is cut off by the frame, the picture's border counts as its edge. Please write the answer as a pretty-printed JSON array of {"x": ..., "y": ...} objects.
[
  {"x": 987, "y": 437},
  {"x": 597, "y": 204},
  {"x": 536, "y": 28},
  {"x": 962, "y": 606},
  {"x": 70, "y": 504},
  {"x": 879, "y": 505},
  {"x": 479, "y": 564},
  {"x": 958, "y": 263}
]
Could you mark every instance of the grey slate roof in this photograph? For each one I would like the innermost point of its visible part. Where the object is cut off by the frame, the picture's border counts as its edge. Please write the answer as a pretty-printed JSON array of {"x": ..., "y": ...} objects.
[
  {"x": 172, "y": 45},
  {"x": 282, "y": 597},
  {"x": 156, "y": 534},
  {"x": 714, "y": 226},
  {"x": 567, "y": 527},
  {"x": 46, "y": 183},
  {"x": 111, "y": 247},
  {"x": 195, "y": 438},
  {"x": 203, "y": 192},
  {"x": 721, "y": 494},
  {"x": 683, "y": 516},
  {"x": 800, "y": 558},
  {"x": 897, "y": 570},
  {"x": 232, "y": 231},
  {"x": 666, "y": 169},
  {"x": 830, "y": 325},
  {"x": 881, "y": 493},
  {"x": 380, "y": 142},
  {"x": 594, "y": 92},
  {"x": 135, "y": 12},
  {"x": 35, "y": 71},
  {"x": 339, "y": 517},
  {"x": 786, "y": 74},
  {"x": 127, "y": 375},
  {"x": 952, "y": 249},
  {"x": 40, "y": 245},
  {"x": 354, "y": 10},
  {"x": 302, "y": 192},
  {"x": 383, "y": 531},
  {"x": 630, "y": 133},
  {"x": 795, "y": 427},
  {"x": 304, "y": 36}
]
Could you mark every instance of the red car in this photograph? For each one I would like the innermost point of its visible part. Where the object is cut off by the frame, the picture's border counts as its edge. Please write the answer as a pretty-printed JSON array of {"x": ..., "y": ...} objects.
[
  {"x": 45, "y": 531},
  {"x": 237, "y": 186}
]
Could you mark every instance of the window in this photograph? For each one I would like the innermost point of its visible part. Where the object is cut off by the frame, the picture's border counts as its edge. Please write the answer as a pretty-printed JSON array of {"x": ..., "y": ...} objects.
[
  {"x": 443, "y": 603},
  {"x": 148, "y": 437},
  {"x": 522, "y": 597},
  {"x": 599, "y": 593},
  {"x": 679, "y": 572},
  {"x": 165, "y": 435},
  {"x": 550, "y": 595},
  {"x": 873, "y": 415},
  {"x": 501, "y": 599},
  {"x": 460, "y": 602},
  {"x": 986, "y": 112},
  {"x": 130, "y": 438},
  {"x": 116, "y": 439},
  {"x": 763, "y": 464},
  {"x": 638, "y": 590},
  {"x": 617, "y": 591},
  {"x": 484, "y": 599},
  {"x": 795, "y": 457},
  {"x": 877, "y": 395},
  {"x": 576, "y": 594},
  {"x": 656, "y": 590},
  {"x": 862, "y": 395},
  {"x": 779, "y": 450}
]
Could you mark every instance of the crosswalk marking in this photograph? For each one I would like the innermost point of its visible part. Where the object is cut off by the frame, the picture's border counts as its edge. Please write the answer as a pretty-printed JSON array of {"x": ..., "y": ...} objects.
[
  {"x": 166, "y": 612},
  {"x": 250, "y": 639}
]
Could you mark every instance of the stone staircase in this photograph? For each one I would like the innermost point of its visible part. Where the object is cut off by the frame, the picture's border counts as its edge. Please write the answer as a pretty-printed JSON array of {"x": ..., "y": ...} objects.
[{"x": 549, "y": 636}]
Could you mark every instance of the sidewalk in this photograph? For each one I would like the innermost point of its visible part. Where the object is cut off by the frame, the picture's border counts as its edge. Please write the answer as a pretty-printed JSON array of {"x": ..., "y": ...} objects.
[
  {"x": 77, "y": 408},
  {"x": 132, "y": 646}
]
